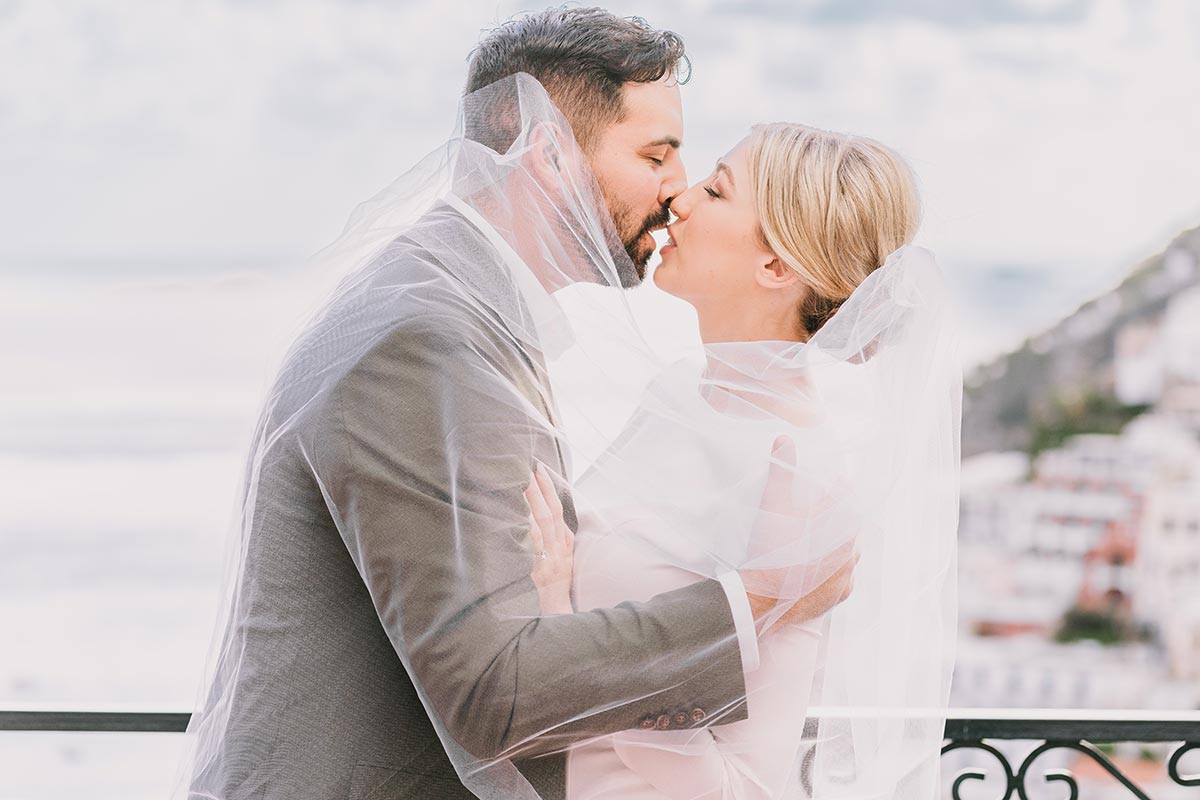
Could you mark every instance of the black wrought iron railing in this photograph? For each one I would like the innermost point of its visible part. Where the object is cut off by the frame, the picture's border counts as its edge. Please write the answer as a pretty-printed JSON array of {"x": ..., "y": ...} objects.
[
  {"x": 1081, "y": 731},
  {"x": 94, "y": 721},
  {"x": 1084, "y": 732}
]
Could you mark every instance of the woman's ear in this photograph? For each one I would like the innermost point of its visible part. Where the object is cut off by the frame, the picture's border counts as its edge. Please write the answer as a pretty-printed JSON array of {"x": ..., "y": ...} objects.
[{"x": 774, "y": 274}]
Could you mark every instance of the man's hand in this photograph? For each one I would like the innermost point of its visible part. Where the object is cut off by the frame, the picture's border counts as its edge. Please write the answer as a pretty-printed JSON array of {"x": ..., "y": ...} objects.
[{"x": 770, "y": 611}]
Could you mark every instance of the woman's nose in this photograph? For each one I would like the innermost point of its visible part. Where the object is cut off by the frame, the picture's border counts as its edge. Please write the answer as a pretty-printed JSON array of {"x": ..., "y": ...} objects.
[
  {"x": 682, "y": 204},
  {"x": 673, "y": 192}
]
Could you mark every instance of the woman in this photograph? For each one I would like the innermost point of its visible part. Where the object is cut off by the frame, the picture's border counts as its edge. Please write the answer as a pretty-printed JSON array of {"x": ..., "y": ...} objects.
[{"x": 768, "y": 249}]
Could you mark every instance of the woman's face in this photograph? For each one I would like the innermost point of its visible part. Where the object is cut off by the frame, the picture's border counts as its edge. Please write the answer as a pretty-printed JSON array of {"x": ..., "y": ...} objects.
[{"x": 714, "y": 258}]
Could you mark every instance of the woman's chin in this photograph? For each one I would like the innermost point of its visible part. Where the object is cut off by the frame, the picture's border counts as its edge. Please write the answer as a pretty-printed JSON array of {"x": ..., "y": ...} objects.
[
  {"x": 662, "y": 278},
  {"x": 664, "y": 273}
]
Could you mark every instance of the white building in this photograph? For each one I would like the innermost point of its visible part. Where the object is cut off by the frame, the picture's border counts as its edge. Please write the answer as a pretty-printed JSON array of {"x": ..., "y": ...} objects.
[
  {"x": 1153, "y": 357},
  {"x": 988, "y": 485},
  {"x": 1167, "y": 590},
  {"x": 1181, "y": 402},
  {"x": 1181, "y": 337},
  {"x": 1031, "y": 551},
  {"x": 995, "y": 518},
  {"x": 1140, "y": 365},
  {"x": 1033, "y": 672}
]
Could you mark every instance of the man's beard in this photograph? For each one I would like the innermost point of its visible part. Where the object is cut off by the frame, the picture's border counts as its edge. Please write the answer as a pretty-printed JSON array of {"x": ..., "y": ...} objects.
[
  {"x": 631, "y": 232},
  {"x": 639, "y": 252}
]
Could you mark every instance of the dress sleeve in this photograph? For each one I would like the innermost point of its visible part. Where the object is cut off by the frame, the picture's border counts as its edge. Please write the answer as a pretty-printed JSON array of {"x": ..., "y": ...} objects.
[
  {"x": 753, "y": 759},
  {"x": 743, "y": 618}
]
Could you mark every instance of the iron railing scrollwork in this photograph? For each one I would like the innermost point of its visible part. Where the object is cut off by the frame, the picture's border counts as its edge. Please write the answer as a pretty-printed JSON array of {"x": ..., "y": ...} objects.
[
  {"x": 1057, "y": 731},
  {"x": 976, "y": 774},
  {"x": 1173, "y": 766}
]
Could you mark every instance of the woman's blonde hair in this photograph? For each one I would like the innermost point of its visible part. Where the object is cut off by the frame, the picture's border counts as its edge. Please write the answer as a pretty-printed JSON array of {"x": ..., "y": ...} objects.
[{"x": 832, "y": 207}]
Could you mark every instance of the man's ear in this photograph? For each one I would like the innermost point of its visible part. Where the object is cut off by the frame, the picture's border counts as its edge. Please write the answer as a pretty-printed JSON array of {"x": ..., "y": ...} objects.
[
  {"x": 547, "y": 153},
  {"x": 774, "y": 274}
]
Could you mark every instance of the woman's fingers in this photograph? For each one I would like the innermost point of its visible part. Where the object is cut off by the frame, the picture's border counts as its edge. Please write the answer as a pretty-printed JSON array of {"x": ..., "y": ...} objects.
[
  {"x": 554, "y": 534},
  {"x": 553, "y": 544},
  {"x": 539, "y": 518},
  {"x": 547, "y": 483}
]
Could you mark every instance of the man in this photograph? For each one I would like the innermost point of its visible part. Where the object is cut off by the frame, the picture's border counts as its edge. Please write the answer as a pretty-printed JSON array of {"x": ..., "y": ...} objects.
[{"x": 385, "y": 629}]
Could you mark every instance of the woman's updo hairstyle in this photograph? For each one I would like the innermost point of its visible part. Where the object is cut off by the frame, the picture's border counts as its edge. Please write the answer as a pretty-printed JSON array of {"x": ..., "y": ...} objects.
[{"x": 832, "y": 207}]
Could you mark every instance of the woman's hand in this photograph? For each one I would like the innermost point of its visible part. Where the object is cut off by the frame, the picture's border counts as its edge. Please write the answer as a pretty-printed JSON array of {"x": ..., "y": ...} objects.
[{"x": 553, "y": 545}]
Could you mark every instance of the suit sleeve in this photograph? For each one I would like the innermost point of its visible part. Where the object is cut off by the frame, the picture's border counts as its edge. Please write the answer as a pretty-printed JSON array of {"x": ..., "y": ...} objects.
[{"x": 423, "y": 460}]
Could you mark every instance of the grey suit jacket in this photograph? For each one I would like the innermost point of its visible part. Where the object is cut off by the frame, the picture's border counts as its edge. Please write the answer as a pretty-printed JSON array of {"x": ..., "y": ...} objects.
[{"x": 380, "y": 607}]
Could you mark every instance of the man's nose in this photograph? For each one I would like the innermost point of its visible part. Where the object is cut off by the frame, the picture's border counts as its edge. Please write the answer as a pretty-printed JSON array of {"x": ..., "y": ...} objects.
[
  {"x": 674, "y": 183},
  {"x": 672, "y": 190}
]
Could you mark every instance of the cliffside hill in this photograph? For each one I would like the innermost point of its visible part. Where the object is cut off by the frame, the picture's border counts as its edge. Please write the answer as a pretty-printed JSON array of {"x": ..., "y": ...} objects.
[{"x": 1011, "y": 398}]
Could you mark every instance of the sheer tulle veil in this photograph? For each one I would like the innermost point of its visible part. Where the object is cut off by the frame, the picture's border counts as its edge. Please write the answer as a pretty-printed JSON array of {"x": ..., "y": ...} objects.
[{"x": 859, "y": 426}]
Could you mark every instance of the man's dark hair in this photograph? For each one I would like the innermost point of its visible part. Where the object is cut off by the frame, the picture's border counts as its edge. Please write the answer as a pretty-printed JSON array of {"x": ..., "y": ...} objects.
[{"x": 583, "y": 57}]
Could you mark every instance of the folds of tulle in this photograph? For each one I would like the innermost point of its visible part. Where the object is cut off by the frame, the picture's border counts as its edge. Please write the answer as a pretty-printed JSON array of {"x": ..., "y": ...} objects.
[{"x": 479, "y": 327}]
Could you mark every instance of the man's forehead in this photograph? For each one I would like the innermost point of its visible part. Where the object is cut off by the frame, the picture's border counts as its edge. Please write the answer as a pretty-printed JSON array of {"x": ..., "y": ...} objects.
[{"x": 653, "y": 112}]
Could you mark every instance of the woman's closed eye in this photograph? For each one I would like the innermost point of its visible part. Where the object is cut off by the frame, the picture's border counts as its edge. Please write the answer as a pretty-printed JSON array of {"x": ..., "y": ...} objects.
[{"x": 712, "y": 192}]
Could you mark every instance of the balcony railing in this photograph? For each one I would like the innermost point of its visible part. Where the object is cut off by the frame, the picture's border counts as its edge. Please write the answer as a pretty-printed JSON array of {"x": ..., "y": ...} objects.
[
  {"x": 1077, "y": 730},
  {"x": 977, "y": 730}
]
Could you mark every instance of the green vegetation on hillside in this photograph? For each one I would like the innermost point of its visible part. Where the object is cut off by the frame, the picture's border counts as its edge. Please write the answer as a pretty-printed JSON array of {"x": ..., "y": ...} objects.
[
  {"x": 1090, "y": 411},
  {"x": 1101, "y": 626},
  {"x": 1059, "y": 383}
]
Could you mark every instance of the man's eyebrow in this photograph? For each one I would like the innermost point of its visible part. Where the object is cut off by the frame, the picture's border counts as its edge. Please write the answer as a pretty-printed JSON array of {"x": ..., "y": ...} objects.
[{"x": 670, "y": 141}]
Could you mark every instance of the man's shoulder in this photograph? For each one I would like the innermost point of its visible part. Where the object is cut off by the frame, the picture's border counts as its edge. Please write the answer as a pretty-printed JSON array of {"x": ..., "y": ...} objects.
[
  {"x": 436, "y": 336},
  {"x": 403, "y": 323},
  {"x": 429, "y": 337},
  {"x": 407, "y": 298}
]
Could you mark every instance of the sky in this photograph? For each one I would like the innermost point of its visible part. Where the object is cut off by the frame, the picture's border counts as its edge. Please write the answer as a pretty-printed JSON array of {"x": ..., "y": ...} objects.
[{"x": 1051, "y": 136}]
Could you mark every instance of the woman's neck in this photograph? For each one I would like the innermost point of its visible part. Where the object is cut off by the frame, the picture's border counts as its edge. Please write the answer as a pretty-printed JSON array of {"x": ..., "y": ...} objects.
[{"x": 752, "y": 323}]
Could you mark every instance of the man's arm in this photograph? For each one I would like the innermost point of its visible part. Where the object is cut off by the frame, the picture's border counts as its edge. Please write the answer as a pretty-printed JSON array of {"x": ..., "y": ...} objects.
[{"x": 423, "y": 463}]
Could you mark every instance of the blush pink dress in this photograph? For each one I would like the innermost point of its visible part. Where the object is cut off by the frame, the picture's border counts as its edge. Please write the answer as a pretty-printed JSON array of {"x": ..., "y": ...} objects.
[{"x": 633, "y": 549}]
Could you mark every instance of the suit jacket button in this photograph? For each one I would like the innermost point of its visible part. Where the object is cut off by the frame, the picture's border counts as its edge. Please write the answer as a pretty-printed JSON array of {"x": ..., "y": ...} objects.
[
  {"x": 698, "y": 714},
  {"x": 681, "y": 719},
  {"x": 663, "y": 722},
  {"x": 647, "y": 724}
]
